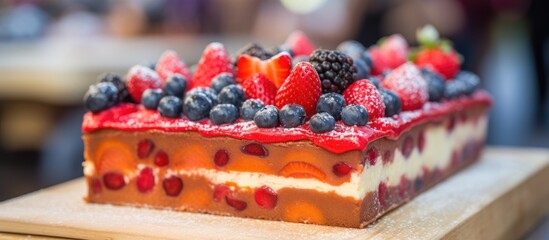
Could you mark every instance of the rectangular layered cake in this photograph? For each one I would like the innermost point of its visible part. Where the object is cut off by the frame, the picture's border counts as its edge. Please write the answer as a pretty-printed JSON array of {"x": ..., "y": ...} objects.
[{"x": 289, "y": 162}]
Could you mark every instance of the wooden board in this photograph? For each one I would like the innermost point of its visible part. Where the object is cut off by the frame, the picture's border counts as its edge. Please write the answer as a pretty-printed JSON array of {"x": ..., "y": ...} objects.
[{"x": 502, "y": 196}]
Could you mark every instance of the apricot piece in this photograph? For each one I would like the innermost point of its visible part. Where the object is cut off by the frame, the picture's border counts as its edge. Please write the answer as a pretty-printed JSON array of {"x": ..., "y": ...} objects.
[
  {"x": 245, "y": 163},
  {"x": 300, "y": 169},
  {"x": 192, "y": 156},
  {"x": 196, "y": 198},
  {"x": 114, "y": 155},
  {"x": 304, "y": 212}
]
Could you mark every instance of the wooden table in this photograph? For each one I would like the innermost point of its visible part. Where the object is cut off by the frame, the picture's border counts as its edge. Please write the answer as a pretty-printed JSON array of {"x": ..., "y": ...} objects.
[{"x": 501, "y": 197}]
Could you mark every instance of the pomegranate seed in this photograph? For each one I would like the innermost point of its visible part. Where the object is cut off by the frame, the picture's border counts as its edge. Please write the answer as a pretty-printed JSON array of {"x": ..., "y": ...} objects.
[
  {"x": 255, "y": 149},
  {"x": 145, "y": 180},
  {"x": 220, "y": 191},
  {"x": 221, "y": 158},
  {"x": 96, "y": 186},
  {"x": 382, "y": 193},
  {"x": 145, "y": 148},
  {"x": 421, "y": 141},
  {"x": 387, "y": 157},
  {"x": 407, "y": 146},
  {"x": 161, "y": 159},
  {"x": 341, "y": 169},
  {"x": 172, "y": 186},
  {"x": 451, "y": 124},
  {"x": 463, "y": 117},
  {"x": 372, "y": 156},
  {"x": 403, "y": 186},
  {"x": 266, "y": 197},
  {"x": 114, "y": 180},
  {"x": 238, "y": 205}
]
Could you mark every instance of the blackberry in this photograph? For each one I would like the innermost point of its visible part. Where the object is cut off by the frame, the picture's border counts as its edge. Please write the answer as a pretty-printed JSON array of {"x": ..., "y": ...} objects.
[
  {"x": 223, "y": 113},
  {"x": 118, "y": 81},
  {"x": 283, "y": 48},
  {"x": 354, "y": 115},
  {"x": 292, "y": 115},
  {"x": 335, "y": 69},
  {"x": 254, "y": 49}
]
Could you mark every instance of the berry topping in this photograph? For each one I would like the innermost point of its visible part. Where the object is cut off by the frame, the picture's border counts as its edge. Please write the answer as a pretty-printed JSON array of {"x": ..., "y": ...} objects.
[
  {"x": 238, "y": 205},
  {"x": 260, "y": 87},
  {"x": 391, "y": 102},
  {"x": 390, "y": 53},
  {"x": 232, "y": 94},
  {"x": 300, "y": 44},
  {"x": 170, "y": 64},
  {"x": 341, "y": 169},
  {"x": 298, "y": 169},
  {"x": 119, "y": 83},
  {"x": 141, "y": 78},
  {"x": 175, "y": 85},
  {"x": 95, "y": 186},
  {"x": 335, "y": 69},
  {"x": 223, "y": 113},
  {"x": 249, "y": 108},
  {"x": 364, "y": 93},
  {"x": 435, "y": 84},
  {"x": 151, "y": 98},
  {"x": 145, "y": 180},
  {"x": 354, "y": 115},
  {"x": 222, "y": 80},
  {"x": 214, "y": 60},
  {"x": 301, "y": 87},
  {"x": 161, "y": 159},
  {"x": 172, "y": 186},
  {"x": 267, "y": 117},
  {"x": 145, "y": 148},
  {"x": 220, "y": 191},
  {"x": 170, "y": 107},
  {"x": 101, "y": 96},
  {"x": 407, "y": 146},
  {"x": 266, "y": 197},
  {"x": 197, "y": 106},
  {"x": 255, "y": 149},
  {"x": 275, "y": 69},
  {"x": 406, "y": 81},
  {"x": 331, "y": 103},
  {"x": 114, "y": 180},
  {"x": 221, "y": 158},
  {"x": 292, "y": 115},
  {"x": 322, "y": 122},
  {"x": 372, "y": 154},
  {"x": 437, "y": 54}
]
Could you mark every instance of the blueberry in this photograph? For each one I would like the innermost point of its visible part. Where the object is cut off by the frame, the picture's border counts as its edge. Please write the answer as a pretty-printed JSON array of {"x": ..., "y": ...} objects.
[
  {"x": 367, "y": 58},
  {"x": 176, "y": 85},
  {"x": 101, "y": 96},
  {"x": 223, "y": 113},
  {"x": 292, "y": 115},
  {"x": 118, "y": 81},
  {"x": 435, "y": 84},
  {"x": 232, "y": 94},
  {"x": 331, "y": 103},
  {"x": 454, "y": 89},
  {"x": 376, "y": 81},
  {"x": 299, "y": 59},
  {"x": 210, "y": 93},
  {"x": 266, "y": 117},
  {"x": 170, "y": 106},
  {"x": 249, "y": 108},
  {"x": 352, "y": 48},
  {"x": 222, "y": 80},
  {"x": 362, "y": 69},
  {"x": 392, "y": 102},
  {"x": 151, "y": 98},
  {"x": 470, "y": 80},
  {"x": 354, "y": 115},
  {"x": 197, "y": 106},
  {"x": 322, "y": 122}
]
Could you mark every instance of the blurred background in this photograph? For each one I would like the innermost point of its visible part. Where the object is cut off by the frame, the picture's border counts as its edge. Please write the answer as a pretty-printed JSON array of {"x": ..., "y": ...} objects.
[{"x": 50, "y": 51}]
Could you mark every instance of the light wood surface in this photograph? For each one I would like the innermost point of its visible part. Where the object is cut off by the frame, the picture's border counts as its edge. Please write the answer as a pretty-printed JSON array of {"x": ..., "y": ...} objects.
[{"x": 500, "y": 197}]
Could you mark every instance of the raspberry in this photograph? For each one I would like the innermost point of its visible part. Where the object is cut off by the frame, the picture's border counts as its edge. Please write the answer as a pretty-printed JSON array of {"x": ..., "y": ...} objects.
[
  {"x": 364, "y": 93},
  {"x": 408, "y": 83}
]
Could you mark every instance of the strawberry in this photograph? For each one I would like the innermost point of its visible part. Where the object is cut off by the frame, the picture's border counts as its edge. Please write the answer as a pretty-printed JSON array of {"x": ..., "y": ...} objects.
[
  {"x": 169, "y": 64},
  {"x": 275, "y": 69},
  {"x": 364, "y": 93},
  {"x": 214, "y": 60},
  {"x": 390, "y": 53},
  {"x": 300, "y": 44},
  {"x": 446, "y": 63},
  {"x": 301, "y": 87},
  {"x": 260, "y": 87},
  {"x": 407, "y": 82},
  {"x": 141, "y": 78},
  {"x": 436, "y": 54}
]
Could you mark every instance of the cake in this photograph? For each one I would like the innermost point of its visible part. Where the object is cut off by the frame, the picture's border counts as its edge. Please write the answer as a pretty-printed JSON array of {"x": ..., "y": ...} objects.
[{"x": 297, "y": 134}]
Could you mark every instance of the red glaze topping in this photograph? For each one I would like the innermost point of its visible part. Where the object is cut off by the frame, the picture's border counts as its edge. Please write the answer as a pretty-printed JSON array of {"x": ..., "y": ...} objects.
[{"x": 130, "y": 117}]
